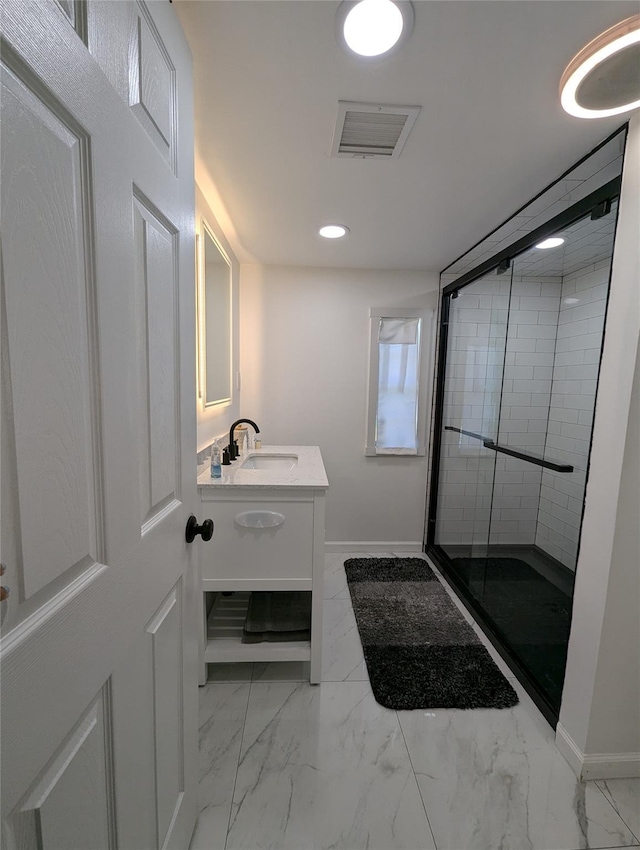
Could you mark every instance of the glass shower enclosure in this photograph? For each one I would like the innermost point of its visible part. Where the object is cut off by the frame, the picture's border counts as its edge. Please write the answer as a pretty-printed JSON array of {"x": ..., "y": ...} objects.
[{"x": 521, "y": 337}]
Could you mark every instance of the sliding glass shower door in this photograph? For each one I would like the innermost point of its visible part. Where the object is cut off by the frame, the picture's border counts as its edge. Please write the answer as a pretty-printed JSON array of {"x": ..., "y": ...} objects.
[
  {"x": 515, "y": 404},
  {"x": 477, "y": 334}
]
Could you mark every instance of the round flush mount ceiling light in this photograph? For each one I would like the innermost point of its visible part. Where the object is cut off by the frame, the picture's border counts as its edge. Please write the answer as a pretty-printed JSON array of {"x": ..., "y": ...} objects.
[
  {"x": 371, "y": 28},
  {"x": 552, "y": 242},
  {"x": 604, "y": 78},
  {"x": 333, "y": 231}
]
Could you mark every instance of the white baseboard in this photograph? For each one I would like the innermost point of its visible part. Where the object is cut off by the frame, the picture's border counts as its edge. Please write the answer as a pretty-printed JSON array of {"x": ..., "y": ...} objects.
[
  {"x": 569, "y": 749},
  {"x": 373, "y": 547},
  {"x": 598, "y": 765},
  {"x": 611, "y": 766}
]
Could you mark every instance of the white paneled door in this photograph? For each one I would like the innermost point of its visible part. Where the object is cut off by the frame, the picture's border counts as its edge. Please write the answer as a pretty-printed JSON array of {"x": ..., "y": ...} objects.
[{"x": 99, "y": 647}]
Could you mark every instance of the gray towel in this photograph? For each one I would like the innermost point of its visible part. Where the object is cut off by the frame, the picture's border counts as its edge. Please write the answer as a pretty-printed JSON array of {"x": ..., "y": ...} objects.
[{"x": 276, "y": 615}]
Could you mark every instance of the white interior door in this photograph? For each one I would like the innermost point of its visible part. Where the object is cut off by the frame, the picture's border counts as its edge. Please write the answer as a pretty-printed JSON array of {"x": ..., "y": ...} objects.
[{"x": 99, "y": 650}]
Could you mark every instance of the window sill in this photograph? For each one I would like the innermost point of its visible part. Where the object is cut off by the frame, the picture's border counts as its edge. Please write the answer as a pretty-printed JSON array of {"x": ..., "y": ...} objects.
[{"x": 373, "y": 451}]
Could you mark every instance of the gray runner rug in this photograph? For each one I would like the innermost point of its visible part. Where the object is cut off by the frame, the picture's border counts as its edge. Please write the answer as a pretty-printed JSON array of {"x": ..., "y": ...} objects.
[{"x": 419, "y": 650}]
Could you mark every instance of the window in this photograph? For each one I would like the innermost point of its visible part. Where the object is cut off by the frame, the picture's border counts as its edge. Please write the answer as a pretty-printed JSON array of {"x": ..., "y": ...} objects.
[{"x": 398, "y": 376}]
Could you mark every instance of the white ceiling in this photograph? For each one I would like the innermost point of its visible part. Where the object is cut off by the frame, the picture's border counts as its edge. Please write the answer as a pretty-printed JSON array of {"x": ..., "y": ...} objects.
[{"x": 491, "y": 133}]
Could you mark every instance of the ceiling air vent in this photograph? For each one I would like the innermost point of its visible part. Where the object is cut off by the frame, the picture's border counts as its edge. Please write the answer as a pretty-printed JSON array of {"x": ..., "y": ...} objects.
[{"x": 372, "y": 130}]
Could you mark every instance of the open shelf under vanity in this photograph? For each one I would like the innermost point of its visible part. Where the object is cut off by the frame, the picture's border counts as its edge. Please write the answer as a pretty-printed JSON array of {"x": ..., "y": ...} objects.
[{"x": 225, "y": 623}]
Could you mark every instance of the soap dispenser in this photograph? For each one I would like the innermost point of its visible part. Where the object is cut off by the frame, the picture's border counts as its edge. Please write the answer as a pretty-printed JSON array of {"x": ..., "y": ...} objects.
[{"x": 216, "y": 460}]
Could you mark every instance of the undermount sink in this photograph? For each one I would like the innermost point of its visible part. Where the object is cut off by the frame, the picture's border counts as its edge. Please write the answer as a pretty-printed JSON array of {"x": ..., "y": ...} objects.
[{"x": 264, "y": 461}]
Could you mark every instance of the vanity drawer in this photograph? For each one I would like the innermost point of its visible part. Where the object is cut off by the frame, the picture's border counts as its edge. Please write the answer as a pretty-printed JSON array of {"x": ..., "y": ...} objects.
[{"x": 243, "y": 553}]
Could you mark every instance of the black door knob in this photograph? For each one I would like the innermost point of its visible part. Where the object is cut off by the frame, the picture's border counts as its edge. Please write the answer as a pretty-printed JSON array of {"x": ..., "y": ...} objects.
[{"x": 205, "y": 530}]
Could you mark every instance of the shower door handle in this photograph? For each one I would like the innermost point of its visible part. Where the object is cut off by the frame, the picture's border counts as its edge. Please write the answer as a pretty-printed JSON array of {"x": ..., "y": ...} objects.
[{"x": 539, "y": 461}]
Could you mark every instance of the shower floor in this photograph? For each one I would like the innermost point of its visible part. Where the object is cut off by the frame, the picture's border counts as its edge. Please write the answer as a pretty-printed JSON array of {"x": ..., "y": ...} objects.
[{"x": 527, "y": 597}]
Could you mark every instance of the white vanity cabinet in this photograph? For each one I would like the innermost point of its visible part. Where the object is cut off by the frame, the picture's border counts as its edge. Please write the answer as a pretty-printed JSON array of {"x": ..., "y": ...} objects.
[{"x": 269, "y": 535}]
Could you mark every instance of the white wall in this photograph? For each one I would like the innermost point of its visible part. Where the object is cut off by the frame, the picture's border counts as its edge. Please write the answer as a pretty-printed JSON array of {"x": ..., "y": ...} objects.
[
  {"x": 618, "y": 670},
  {"x": 598, "y": 729},
  {"x": 304, "y": 364},
  {"x": 215, "y": 421}
]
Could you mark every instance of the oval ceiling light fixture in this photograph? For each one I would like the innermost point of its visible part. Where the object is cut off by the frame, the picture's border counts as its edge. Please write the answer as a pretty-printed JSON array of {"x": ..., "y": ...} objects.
[
  {"x": 603, "y": 79},
  {"x": 333, "y": 231},
  {"x": 551, "y": 242},
  {"x": 372, "y": 28}
]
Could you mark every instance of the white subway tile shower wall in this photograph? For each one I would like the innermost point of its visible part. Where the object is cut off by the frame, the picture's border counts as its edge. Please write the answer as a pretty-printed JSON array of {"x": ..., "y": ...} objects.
[
  {"x": 477, "y": 337},
  {"x": 478, "y": 372},
  {"x": 577, "y": 360},
  {"x": 524, "y": 413},
  {"x": 548, "y": 390}
]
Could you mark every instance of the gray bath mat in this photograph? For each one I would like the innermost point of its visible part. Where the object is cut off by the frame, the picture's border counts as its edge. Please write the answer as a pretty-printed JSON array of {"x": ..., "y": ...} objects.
[
  {"x": 275, "y": 615},
  {"x": 419, "y": 649}
]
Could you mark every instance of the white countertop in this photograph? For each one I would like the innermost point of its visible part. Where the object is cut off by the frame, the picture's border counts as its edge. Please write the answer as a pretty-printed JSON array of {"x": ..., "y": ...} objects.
[{"x": 308, "y": 473}]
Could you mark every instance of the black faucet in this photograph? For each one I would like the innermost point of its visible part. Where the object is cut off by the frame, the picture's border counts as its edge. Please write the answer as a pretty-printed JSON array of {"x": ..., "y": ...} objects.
[{"x": 233, "y": 449}]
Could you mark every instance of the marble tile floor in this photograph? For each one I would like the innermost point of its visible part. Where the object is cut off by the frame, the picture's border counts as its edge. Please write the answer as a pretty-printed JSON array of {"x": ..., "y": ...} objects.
[{"x": 290, "y": 766}]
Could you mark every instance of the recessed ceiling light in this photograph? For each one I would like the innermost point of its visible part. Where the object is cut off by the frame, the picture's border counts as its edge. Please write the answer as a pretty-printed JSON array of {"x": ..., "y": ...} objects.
[
  {"x": 552, "y": 242},
  {"x": 372, "y": 28},
  {"x": 603, "y": 78},
  {"x": 333, "y": 231}
]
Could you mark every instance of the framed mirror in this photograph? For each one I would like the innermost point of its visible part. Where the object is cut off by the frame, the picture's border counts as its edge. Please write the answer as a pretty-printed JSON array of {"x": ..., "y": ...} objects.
[{"x": 214, "y": 321}]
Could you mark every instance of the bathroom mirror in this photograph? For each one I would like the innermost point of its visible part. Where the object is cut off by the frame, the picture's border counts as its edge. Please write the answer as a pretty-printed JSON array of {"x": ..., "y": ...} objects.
[{"x": 215, "y": 321}]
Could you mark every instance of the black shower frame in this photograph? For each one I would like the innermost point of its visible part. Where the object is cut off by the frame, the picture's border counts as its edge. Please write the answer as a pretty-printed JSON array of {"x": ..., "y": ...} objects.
[{"x": 580, "y": 210}]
